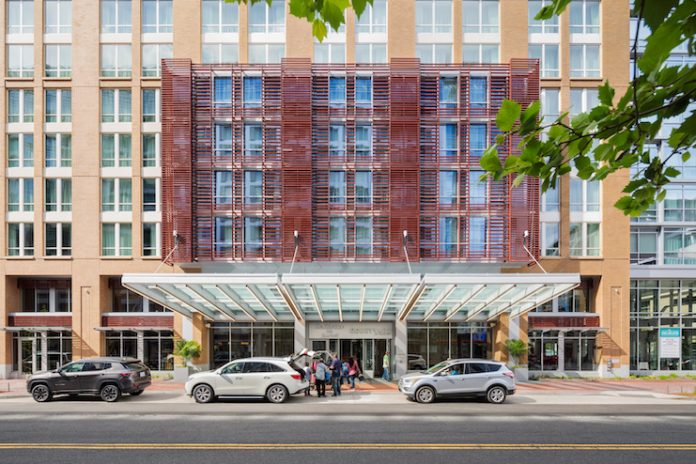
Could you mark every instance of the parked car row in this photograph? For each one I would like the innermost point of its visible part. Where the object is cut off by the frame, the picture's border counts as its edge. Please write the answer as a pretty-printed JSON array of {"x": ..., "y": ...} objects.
[{"x": 275, "y": 379}]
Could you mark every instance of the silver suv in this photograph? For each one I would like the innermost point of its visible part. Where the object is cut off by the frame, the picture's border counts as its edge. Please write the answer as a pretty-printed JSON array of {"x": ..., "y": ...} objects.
[{"x": 460, "y": 378}]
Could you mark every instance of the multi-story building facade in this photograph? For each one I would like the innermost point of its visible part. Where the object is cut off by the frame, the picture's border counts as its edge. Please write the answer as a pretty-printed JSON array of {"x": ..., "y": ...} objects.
[
  {"x": 304, "y": 194},
  {"x": 663, "y": 258}
]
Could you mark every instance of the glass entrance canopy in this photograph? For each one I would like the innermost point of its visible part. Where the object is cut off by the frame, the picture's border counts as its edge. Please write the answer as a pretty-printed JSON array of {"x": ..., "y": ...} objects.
[{"x": 350, "y": 297}]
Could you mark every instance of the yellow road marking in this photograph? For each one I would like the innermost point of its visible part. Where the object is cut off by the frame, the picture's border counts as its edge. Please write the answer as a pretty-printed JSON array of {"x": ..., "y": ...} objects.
[{"x": 360, "y": 446}]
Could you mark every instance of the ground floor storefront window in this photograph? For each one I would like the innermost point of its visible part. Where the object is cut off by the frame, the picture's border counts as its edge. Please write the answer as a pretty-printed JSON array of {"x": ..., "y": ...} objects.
[
  {"x": 429, "y": 344},
  {"x": 662, "y": 304},
  {"x": 567, "y": 351},
  {"x": 39, "y": 351},
  {"x": 154, "y": 347},
  {"x": 232, "y": 341}
]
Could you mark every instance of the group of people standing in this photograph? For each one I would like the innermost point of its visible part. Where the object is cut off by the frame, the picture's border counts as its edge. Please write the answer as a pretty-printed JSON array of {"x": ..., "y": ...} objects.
[{"x": 336, "y": 372}]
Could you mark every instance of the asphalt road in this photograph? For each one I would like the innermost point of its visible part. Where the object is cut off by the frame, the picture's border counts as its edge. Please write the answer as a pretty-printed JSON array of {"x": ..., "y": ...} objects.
[{"x": 87, "y": 431}]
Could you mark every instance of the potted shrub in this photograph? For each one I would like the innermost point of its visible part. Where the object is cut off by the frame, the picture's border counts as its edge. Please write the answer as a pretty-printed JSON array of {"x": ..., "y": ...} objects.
[
  {"x": 186, "y": 351},
  {"x": 517, "y": 349}
]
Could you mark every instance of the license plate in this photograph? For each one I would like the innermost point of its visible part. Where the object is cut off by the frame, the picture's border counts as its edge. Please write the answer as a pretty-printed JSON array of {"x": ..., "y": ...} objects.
[{"x": 142, "y": 374}]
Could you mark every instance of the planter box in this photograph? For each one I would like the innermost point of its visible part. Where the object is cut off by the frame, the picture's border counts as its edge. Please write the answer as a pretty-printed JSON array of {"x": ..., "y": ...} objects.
[
  {"x": 181, "y": 374},
  {"x": 521, "y": 374}
]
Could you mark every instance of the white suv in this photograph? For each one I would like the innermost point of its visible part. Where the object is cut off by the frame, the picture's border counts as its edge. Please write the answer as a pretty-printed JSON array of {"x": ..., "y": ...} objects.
[
  {"x": 273, "y": 378},
  {"x": 460, "y": 378}
]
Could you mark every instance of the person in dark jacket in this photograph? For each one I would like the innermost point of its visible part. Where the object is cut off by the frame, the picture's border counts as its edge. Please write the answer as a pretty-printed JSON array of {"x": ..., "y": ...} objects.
[{"x": 335, "y": 375}]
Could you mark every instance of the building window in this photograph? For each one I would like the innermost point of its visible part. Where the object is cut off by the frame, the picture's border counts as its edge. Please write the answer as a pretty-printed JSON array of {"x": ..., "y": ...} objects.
[
  {"x": 151, "y": 201},
  {"x": 151, "y": 105},
  {"x": 116, "y": 150},
  {"x": 265, "y": 53},
  {"x": 644, "y": 246},
  {"x": 363, "y": 140},
  {"x": 20, "y": 150},
  {"x": 151, "y": 234},
  {"x": 584, "y": 60},
  {"x": 337, "y": 92},
  {"x": 157, "y": 16},
  {"x": 117, "y": 195},
  {"x": 433, "y": 16},
  {"x": 223, "y": 235},
  {"x": 58, "y": 150},
  {"x": 480, "y": 16},
  {"x": 20, "y": 61},
  {"x": 363, "y": 187},
  {"x": 480, "y": 53},
  {"x": 448, "y": 140},
  {"x": 584, "y": 239},
  {"x": 219, "y": 17},
  {"x": 253, "y": 91},
  {"x": 479, "y": 92},
  {"x": 478, "y": 140},
  {"x": 58, "y": 195},
  {"x": 20, "y": 239},
  {"x": 158, "y": 347},
  {"x": 44, "y": 300},
  {"x": 223, "y": 188},
  {"x": 549, "y": 201},
  {"x": 373, "y": 20},
  {"x": 549, "y": 26},
  {"x": 583, "y": 100},
  {"x": 550, "y": 104},
  {"x": 253, "y": 187},
  {"x": 150, "y": 150},
  {"x": 58, "y": 17},
  {"x": 478, "y": 227},
  {"x": 267, "y": 19},
  {"x": 337, "y": 140},
  {"x": 434, "y": 53},
  {"x": 116, "y": 60},
  {"x": 550, "y": 239},
  {"x": 116, "y": 16},
  {"x": 448, "y": 188},
  {"x": 253, "y": 234},
  {"x": 448, "y": 92},
  {"x": 116, "y": 105},
  {"x": 20, "y": 194},
  {"x": 58, "y": 60},
  {"x": 223, "y": 140},
  {"x": 371, "y": 53},
  {"x": 122, "y": 343},
  {"x": 363, "y": 92},
  {"x": 363, "y": 236},
  {"x": 337, "y": 187},
  {"x": 584, "y": 195},
  {"x": 548, "y": 56},
  {"x": 117, "y": 239},
  {"x": 679, "y": 245},
  {"x": 584, "y": 17},
  {"x": 680, "y": 203},
  {"x": 20, "y": 105},
  {"x": 478, "y": 189},
  {"x": 215, "y": 53},
  {"x": 58, "y": 105},
  {"x": 253, "y": 140},
  {"x": 20, "y": 16},
  {"x": 152, "y": 56},
  {"x": 337, "y": 234},
  {"x": 329, "y": 53},
  {"x": 448, "y": 235},
  {"x": 58, "y": 239}
]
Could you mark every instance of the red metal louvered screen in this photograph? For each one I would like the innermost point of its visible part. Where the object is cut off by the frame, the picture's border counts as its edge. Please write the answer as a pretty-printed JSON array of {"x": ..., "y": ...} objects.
[{"x": 310, "y": 156}]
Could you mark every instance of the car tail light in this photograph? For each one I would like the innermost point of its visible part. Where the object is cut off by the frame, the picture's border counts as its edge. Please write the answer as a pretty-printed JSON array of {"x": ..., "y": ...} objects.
[
  {"x": 509, "y": 374},
  {"x": 296, "y": 376}
]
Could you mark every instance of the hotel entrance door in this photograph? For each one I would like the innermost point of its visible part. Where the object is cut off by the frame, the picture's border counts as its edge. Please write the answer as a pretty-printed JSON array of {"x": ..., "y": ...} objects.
[{"x": 368, "y": 351}]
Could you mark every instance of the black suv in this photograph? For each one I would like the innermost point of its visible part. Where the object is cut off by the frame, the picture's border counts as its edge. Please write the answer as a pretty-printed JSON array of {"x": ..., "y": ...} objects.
[{"x": 106, "y": 377}]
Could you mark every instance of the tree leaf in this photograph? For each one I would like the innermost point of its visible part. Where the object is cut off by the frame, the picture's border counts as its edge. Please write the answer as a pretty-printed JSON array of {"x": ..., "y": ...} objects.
[
  {"x": 319, "y": 30},
  {"x": 507, "y": 115},
  {"x": 606, "y": 94}
]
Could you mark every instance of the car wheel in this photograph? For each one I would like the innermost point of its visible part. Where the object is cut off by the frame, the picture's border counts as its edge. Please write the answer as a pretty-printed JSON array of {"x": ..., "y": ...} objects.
[
  {"x": 110, "y": 393},
  {"x": 203, "y": 394},
  {"x": 277, "y": 393},
  {"x": 425, "y": 395},
  {"x": 496, "y": 395},
  {"x": 136, "y": 392},
  {"x": 41, "y": 393}
]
